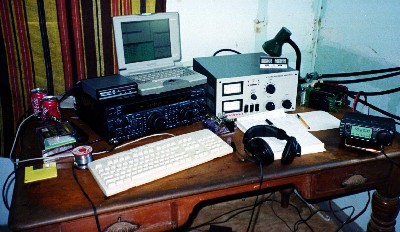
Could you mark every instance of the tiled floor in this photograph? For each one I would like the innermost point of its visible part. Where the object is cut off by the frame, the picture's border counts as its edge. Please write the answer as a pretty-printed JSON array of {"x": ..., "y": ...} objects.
[{"x": 268, "y": 216}]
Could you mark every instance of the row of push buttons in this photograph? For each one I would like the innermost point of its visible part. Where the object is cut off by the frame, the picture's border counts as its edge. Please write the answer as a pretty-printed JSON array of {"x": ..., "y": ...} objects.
[{"x": 251, "y": 108}]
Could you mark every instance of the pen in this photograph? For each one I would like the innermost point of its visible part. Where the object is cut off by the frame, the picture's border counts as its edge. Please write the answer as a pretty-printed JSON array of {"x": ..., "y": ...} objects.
[
  {"x": 302, "y": 120},
  {"x": 269, "y": 122}
]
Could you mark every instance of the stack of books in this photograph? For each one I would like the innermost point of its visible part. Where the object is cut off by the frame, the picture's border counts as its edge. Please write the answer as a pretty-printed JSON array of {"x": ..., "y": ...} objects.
[{"x": 56, "y": 138}]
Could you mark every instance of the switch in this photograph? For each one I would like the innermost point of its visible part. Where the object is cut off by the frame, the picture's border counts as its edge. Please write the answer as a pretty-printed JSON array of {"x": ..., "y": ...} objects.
[{"x": 246, "y": 108}]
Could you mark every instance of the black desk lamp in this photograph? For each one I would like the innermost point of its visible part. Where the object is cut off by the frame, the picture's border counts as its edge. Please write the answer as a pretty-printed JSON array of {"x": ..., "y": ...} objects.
[{"x": 273, "y": 47}]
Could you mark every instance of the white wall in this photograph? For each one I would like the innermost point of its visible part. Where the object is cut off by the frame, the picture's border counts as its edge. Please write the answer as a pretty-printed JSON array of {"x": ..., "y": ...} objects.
[
  {"x": 207, "y": 26},
  {"x": 301, "y": 18},
  {"x": 210, "y": 25}
]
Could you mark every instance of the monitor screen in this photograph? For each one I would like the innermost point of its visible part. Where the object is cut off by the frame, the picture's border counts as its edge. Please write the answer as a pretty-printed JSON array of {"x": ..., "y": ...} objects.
[
  {"x": 143, "y": 41},
  {"x": 146, "y": 42}
]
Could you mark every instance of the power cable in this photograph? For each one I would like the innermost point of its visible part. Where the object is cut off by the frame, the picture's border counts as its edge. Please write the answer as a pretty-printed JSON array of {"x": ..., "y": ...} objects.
[
  {"x": 88, "y": 198},
  {"x": 17, "y": 133},
  {"x": 359, "y": 73},
  {"x": 389, "y": 91},
  {"x": 226, "y": 50},
  {"x": 5, "y": 188},
  {"x": 376, "y": 108},
  {"x": 350, "y": 219},
  {"x": 255, "y": 202},
  {"x": 363, "y": 80}
]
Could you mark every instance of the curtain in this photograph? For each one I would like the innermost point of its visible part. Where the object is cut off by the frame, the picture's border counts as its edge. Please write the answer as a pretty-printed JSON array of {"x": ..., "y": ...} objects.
[{"x": 53, "y": 44}]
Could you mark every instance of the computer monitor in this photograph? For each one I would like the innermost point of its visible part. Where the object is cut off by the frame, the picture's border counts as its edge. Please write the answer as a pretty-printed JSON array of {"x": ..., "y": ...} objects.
[{"x": 146, "y": 41}]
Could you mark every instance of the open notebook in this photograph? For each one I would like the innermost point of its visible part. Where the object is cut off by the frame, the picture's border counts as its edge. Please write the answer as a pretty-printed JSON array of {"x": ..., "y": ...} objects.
[
  {"x": 149, "y": 52},
  {"x": 293, "y": 127}
]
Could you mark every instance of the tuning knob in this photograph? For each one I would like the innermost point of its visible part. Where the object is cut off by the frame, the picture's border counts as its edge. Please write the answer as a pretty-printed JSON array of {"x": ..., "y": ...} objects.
[
  {"x": 384, "y": 137},
  {"x": 270, "y": 106},
  {"x": 187, "y": 114},
  {"x": 287, "y": 104},
  {"x": 157, "y": 121},
  {"x": 270, "y": 89}
]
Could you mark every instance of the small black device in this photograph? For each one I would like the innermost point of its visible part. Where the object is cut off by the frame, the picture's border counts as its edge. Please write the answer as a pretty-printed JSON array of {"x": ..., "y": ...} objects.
[
  {"x": 325, "y": 96},
  {"x": 109, "y": 87},
  {"x": 118, "y": 120},
  {"x": 374, "y": 129},
  {"x": 259, "y": 150}
]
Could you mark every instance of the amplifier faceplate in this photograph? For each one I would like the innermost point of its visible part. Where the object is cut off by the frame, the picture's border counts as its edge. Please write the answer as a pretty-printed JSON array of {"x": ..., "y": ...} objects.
[{"x": 236, "y": 86}]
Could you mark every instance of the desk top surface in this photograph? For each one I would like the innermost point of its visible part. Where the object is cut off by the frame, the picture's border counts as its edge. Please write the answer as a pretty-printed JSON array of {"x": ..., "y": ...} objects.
[{"x": 60, "y": 199}]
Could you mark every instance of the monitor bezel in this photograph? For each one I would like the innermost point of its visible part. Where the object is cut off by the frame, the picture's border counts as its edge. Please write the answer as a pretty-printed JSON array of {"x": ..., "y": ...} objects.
[{"x": 129, "y": 68}]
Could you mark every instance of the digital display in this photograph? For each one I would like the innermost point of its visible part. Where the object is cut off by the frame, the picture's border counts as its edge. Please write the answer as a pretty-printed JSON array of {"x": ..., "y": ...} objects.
[
  {"x": 232, "y": 106},
  {"x": 280, "y": 61},
  {"x": 232, "y": 88},
  {"x": 266, "y": 61},
  {"x": 362, "y": 132}
]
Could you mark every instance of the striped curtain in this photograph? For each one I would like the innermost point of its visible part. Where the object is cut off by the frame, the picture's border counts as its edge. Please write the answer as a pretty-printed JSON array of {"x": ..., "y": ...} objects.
[{"x": 53, "y": 44}]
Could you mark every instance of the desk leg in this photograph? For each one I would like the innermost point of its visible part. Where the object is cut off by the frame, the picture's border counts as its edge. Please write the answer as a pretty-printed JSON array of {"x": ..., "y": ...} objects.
[
  {"x": 386, "y": 204},
  {"x": 285, "y": 197},
  {"x": 384, "y": 213}
]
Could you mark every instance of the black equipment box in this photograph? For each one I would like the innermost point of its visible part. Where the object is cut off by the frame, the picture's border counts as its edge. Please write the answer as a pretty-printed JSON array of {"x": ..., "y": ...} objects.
[
  {"x": 375, "y": 129},
  {"x": 109, "y": 87},
  {"x": 118, "y": 120}
]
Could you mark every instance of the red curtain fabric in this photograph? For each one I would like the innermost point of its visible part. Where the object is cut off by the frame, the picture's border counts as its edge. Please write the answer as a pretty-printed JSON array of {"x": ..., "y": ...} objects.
[{"x": 53, "y": 45}]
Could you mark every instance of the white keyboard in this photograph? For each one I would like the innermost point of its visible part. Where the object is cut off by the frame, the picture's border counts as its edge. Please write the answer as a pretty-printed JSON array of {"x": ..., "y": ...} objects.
[{"x": 140, "y": 165}]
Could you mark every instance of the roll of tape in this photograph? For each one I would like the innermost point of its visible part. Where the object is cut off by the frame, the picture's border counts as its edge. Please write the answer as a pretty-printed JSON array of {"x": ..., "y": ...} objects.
[{"x": 82, "y": 156}]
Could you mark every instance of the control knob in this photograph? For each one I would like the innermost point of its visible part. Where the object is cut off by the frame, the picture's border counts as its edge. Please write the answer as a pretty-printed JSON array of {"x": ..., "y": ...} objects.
[
  {"x": 187, "y": 114},
  {"x": 270, "y": 106},
  {"x": 287, "y": 104},
  {"x": 157, "y": 121},
  {"x": 270, "y": 89},
  {"x": 384, "y": 137},
  {"x": 253, "y": 97}
]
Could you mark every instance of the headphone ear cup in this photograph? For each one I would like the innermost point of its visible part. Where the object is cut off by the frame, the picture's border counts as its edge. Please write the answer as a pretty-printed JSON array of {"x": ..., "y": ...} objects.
[
  {"x": 260, "y": 151},
  {"x": 291, "y": 150}
]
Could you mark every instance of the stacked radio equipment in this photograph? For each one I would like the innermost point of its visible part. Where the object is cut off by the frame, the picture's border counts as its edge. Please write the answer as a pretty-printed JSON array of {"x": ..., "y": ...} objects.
[{"x": 125, "y": 118}]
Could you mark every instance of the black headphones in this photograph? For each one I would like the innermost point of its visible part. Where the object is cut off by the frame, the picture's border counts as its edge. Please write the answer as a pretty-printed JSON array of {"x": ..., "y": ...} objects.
[{"x": 259, "y": 150}]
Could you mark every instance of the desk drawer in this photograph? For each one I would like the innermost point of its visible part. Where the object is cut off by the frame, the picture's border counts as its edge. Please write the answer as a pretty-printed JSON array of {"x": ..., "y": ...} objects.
[
  {"x": 349, "y": 179},
  {"x": 159, "y": 217}
]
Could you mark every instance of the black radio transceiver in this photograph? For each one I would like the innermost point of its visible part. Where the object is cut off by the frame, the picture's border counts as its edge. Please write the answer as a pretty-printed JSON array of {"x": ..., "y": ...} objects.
[
  {"x": 375, "y": 129},
  {"x": 121, "y": 119}
]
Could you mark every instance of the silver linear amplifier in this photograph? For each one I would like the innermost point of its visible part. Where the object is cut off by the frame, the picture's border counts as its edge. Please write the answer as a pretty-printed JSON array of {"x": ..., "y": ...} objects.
[{"x": 236, "y": 86}]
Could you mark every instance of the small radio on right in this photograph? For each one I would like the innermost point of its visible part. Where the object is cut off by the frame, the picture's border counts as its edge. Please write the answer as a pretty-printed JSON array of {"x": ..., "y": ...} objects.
[{"x": 374, "y": 129}]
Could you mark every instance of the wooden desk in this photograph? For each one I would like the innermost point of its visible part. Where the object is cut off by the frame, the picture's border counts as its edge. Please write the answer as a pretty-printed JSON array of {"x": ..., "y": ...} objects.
[{"x": 59, "y": 205}]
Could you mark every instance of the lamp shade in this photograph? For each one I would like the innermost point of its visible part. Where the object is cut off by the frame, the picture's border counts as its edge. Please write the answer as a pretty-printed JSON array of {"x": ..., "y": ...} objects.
[{"x": 273, "y": 47}]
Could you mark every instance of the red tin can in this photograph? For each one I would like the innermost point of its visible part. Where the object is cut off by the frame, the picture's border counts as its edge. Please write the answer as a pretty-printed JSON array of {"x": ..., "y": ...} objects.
[
  {"x": 36, "y": 97},
  {"x": 50, "y": 110}
]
